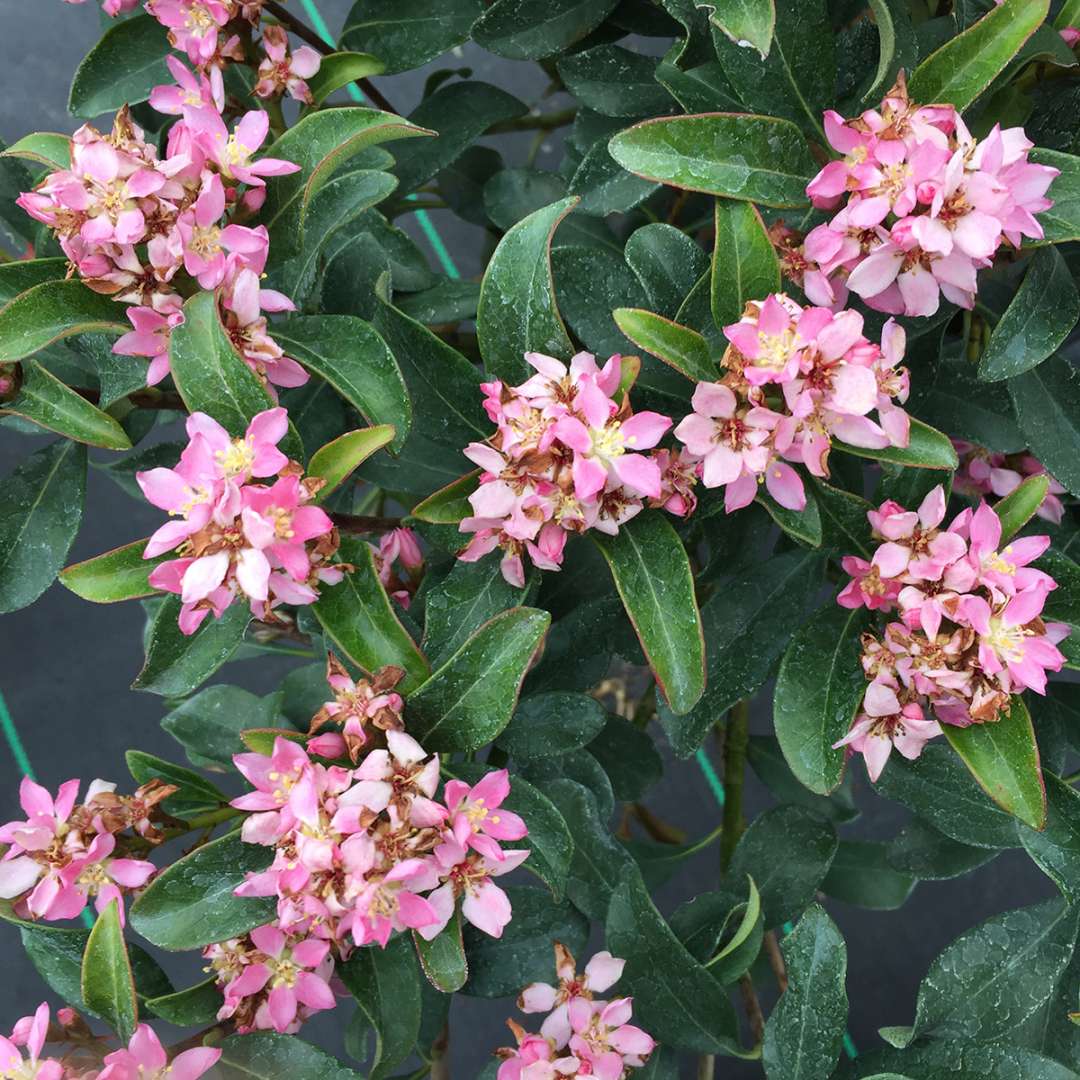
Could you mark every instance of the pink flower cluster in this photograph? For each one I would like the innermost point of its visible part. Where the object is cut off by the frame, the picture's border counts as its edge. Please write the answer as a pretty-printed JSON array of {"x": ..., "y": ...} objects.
[
  {"x": 566, "y": 458},
  {"x": 923, "y": 207},
  {"x": 234, "y": 536},
  {"x": 795, "y": 379},
  {"x": 144, "y": 229},
  {"x": 983, "y": 472},
  {"x": 967, "y": 632},
  {"x": 65, "y": 854},
  {"x": 143, "y": 1059},
  {"x": 361, "y": 853},
  {"x": 580, "y": 1036}
]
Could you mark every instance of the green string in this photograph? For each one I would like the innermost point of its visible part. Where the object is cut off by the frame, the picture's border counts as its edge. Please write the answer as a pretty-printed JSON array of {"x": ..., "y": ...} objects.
[
  {"x": 422, "y": 218},
  {"x": 22, "y": 760}
]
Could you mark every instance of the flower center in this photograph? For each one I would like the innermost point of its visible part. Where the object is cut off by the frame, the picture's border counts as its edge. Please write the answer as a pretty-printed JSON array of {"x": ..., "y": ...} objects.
[
  {"x": 776, "y": 350},
  {"x": 237, "y": 459}
]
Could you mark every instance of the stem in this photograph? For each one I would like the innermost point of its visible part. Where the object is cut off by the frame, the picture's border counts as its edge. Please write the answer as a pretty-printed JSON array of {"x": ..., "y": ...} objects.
[
  {"x": 752, "y": 1008},
  {"x": 776, "y": 959},
  {"x": 440, "y": 1066},
  {"x": 735, "y": 742},
  {"x": 706, "y": 1067},
  {"x": 658, "y": 829},
  {"x": 305, "y": 33},
  {"x": 272, "y": 107},
  {"x": 356, "y": 523},
  {"x": 536, "y": 122}
]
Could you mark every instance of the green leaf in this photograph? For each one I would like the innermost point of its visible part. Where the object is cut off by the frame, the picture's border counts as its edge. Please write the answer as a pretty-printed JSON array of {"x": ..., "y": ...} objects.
[
  {"x": 177, "y": 663},
  {"x": 744, "y": 264},
  {"x": 549, "y": 838},
  {"x": 23, "y": 274},
  {"x": 768, "y": 762},
  {"x": 667, "y": 262},
  {"x": 195, "y": 796},
  {"x": 802, "y": 525},
  {"x": 39, "y": 519},
  {"x": 1038, "y": 319},
  {"x": 1056, "y": 848},
  {"x": 460, "y": 112},
  {"x": 682, "y": 348},
  {"x": 108, "y": 988},
  {"x": 924, "y": 853},
  {"x": 653, "y": 577},
  {"x": 992, "y": 979},
  {"x": 1004, "y": 758},
  {"x": 787, "y": 851},
  {"x": 675, "y": 999},
  {"x": 522, "y": 30},
  {"x": 628, "y": 756},
  {"x": 748, "y": 623},
  {"x": 359, "y": 618},
  {"x": 386, "y": 986},
  {"x": 406, "y": 34},
  {"x": 599, "y": 860},
  {"x": 196, "y": 1005},
  {"x": 614, "y": 81},
  {"x": 746, "y": 22},
  {"x": 341, "y": 68},
  {"x": 552, "y": 723},
  {"x": 44, "y": 400},
  {"x": 122, "y": 68},
  {"x": 1061, "y": 222},
  {"x": 756, "y": 158},
  {"x": 928, "y": 449},
  {"x": 818, "y": 691},
  {"x": 938, "y": 787},
  {"x": 52, "y": 311},
  {"x": 724, "y": 936},
  {"x": 266, "y": 1055},
  {"x": 805, "y": 1031},
  {"x": 517, "y": 312},
  {"x": 462, "y": 602},
  {"x": 500, "y": 967},
  {"x": 605, "y": 187},
  {"x": 450, "y": 504},
  {"x": 338, "y": 460},
  {"x": 898, "y": 47},
  {"x": 1019, "y": 506},
  {"x": 1047, "y": 404},
  {"x": 447, "y": 302},
  {"x": 861, "y": 874},
  {"x": 469, "y": 700},
  {"x": 590, "y": 282},
  {"x": 120, "y": 574},
  {"x": 844, "y": 525},
  {"x": 970, "y": 409},
  {"x": 443, "y": 958},
  {"x": 191, "y": 903},
  {"x": 966, "y": 65},
  {"x": 320, "y": 144},
  {"x": 44, "y": 148}
]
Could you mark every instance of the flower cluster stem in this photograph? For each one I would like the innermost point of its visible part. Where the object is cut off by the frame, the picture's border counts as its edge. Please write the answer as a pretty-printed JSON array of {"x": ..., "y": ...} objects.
[{"x": 735, "y": 742}]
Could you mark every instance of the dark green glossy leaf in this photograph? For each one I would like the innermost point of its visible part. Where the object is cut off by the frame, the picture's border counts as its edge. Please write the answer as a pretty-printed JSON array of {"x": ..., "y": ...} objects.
[
  {"x": 265, "y": 1055},
  {"x": 1056, "y": 848},
  {"x": 861, "y": 874},
  {"x": 447, "y": 302},
  {"x": 120, "y": 574},
  {"x": 360, "y": 619},
  {"x": 788, "y": 852},
  {"x": 1047, "y": 404},
  {"x": 744, "y": 264},
  {"x": 746, "y": 22},
  {"x": 191, "y": 903},
  {"x": 628, "y": 756},
  {"x": 522, "y": 30},
  {"x": 52, "y": 311},
  {"x": 934, "y": 1059},
  {"x": 614, "y": 81},
  {"x": 675, "y": 998},
  {"x": 197, "y": 1004},
  {"x": 339, "y": 69},
  {"x": 928, "y": 449},
  {"x": 122, "y": 68},
  {"x": 652, "y": 575},
  {"x": 23, "y": 274},
  {"x": 501, "y": 967},
  {"x": 108, "y": 988},
  {"x": 552, "y": 723},
  {"x": 964, "y": 66},
  {"x": 386, "y": 986},
  {"x": 818, "y": 691},
  {"x": 208, "y": 725},
  {"x": 462, "y": 602},
  {"x": 667, "y": 262},
  {"x": 939, "y": 787},
  {"x": 177, "y": 663},
  {"x": 448, "y": 505},
  {"x": 682, "y": 348},
  {"x": 443, "y": 958},
  {"x": 724, "y": 936},
  {"x": 590, "y": 284},
  {"x": 1004, "y": 758},
  {"x": 195, "y": 795},
  {"x": 335, "y": 462},
  {"x": 844, "y": 525},
  {"x": 803, "y": 526},
  {"x": 923, "y": 852},
  {"x": 605, "y": 187},
  {"x": 43, "y": 148},
  {"x": 805, "y": 1030},
  {"x": 767, "y": 760},
  {"x": 39, "y": 518},
  {"x": 469, "y": 700},
  {"x": 758, "y": 158},
  {"x": 406, "y": 34},
  {"x": 1040, "y": 317},
  {"x": 1062, "y": 221},
  {"x": 968, "y": 408},
  {"x": 748, "y": 623},
  {"x": 897, "y": 46}
]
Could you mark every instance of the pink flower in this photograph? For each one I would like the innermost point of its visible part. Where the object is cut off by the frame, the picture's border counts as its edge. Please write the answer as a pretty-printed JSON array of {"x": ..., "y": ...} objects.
[
  {"x": 30, "y": 1032},
  {"x": 192, "y": 91},
  {"x": 357, "y": 706},
  {"x": 232, "y": 151},
  {"x": 604, "y": 1041},
  {"x": 285, "y": 791},
  {"x": 145, "y": 1059},
  {"x": 281, "y": 72},
  {"x": 913, "y": 543},
  {"x": 476, "y": 819},
  {"x": 883, "y": 724},
  {"x": 205, "y": 244},
  {"x": 150, "y": 336},
  {"x": 193, "y": 25},
  {"x": 771, "y": 340}
]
